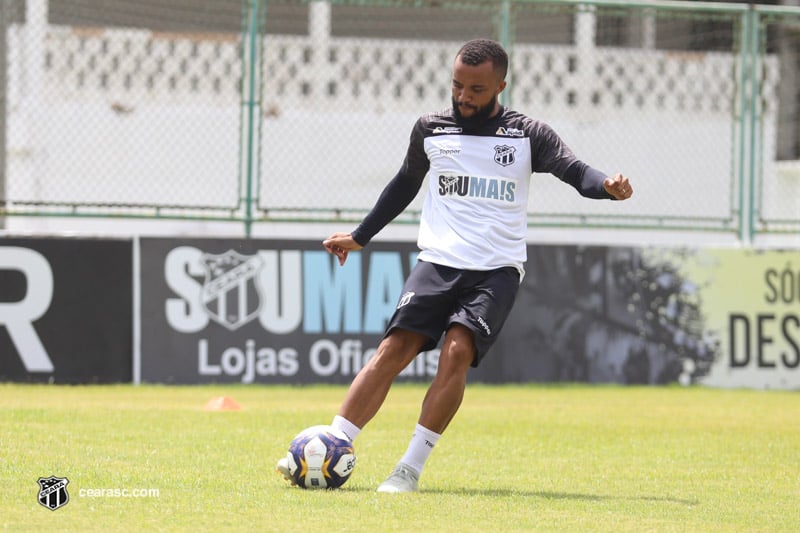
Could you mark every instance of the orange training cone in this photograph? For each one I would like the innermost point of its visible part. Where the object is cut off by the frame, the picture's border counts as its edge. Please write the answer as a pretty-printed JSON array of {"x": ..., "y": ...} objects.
[{"x": 222, "y": 403}]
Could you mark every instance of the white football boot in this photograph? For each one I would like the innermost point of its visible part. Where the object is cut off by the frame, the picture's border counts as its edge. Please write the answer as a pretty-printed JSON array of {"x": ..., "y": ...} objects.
[
  {"x": 283, "y": 469},
  {"x": 402, "y": 479}
]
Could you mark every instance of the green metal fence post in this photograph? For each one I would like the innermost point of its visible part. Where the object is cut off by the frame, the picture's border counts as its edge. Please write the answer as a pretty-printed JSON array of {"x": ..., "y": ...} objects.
[
  {"x": 3, "y": 107},
  {"x": 250, "y": 75},
  {"x": 506, "y": 38},
  {"x": 744, "y": 131},
  {"x": 755, "y": 96}
]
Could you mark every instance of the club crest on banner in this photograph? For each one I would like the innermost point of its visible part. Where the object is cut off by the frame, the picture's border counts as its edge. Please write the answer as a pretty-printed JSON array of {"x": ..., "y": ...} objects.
[
  {"x": 53, "y": 492},
  {"x": 230, "y": 295}
]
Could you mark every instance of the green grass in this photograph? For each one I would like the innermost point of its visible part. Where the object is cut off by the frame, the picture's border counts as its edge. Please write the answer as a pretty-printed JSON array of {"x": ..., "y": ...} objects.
[{"x": 516, "y": 458}]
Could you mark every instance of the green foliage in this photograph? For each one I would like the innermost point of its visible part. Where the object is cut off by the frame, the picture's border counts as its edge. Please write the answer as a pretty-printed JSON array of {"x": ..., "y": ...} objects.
[{"x": 516, "y": 458}]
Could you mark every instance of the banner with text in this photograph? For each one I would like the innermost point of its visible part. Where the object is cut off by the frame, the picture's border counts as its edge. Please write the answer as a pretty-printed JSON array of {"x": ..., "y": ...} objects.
[
  {"x": 721, "y": 317},
  {"x": 279, "y": 311},
  {"x": 216, "y": 310},
  {"x": 65, "y": 310}
]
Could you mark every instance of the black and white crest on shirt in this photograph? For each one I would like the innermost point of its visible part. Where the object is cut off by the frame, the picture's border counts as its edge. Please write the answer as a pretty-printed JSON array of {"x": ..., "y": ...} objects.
[{"x": 504, "y": 155}]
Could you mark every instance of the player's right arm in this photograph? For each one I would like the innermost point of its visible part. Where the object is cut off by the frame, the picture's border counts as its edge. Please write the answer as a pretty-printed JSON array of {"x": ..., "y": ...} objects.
[
  {"x": 396, "y": 196},
  {"x": 340, "y": 244}
]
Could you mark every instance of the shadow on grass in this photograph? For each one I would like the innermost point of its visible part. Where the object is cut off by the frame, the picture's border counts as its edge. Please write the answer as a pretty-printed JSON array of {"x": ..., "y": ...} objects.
[
  {"x": 543, "y": 494},
  {"x": 548, "y": 495}
]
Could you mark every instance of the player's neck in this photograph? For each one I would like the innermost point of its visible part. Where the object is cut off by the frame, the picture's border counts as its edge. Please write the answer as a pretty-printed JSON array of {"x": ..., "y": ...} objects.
[{"x": 496, "y": 111}]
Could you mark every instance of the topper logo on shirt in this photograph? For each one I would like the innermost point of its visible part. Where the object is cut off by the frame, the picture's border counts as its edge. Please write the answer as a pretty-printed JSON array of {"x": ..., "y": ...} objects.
[{"x": 504, "y": 155}]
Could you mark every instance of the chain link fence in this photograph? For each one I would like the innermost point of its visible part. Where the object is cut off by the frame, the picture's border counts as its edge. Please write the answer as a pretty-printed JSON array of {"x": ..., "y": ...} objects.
[
  {"x": 774, "y": 174},
  {"x": 268, "y": 110}
]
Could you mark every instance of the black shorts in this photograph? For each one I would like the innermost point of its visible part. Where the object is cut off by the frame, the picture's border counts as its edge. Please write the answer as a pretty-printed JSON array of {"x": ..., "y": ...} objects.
[{"x": 435, "y": 297}]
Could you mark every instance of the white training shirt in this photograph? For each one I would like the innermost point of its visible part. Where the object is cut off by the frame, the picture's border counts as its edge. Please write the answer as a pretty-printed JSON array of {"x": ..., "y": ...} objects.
[{"x": 475, "y": 212}]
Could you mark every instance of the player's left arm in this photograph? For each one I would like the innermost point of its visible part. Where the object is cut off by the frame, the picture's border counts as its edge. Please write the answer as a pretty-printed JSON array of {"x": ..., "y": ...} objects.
[
  {"x": 618, "y": 186},
  {"x": 555, "y": 157},
  {"x": 593, "y": 183}
]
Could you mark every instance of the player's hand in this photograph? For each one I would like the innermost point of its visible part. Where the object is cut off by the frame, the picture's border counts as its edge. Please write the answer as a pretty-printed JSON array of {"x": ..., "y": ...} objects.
[
  {"x": 340, "y": 244},
  {"x": 618, "y": 186}
]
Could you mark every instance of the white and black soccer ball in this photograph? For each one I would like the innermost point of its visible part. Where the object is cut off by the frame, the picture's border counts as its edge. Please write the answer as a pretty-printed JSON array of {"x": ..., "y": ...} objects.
[{"x": 321, "y": 457}]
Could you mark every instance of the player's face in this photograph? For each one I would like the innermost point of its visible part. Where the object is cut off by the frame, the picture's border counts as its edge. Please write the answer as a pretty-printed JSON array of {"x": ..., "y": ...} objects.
[{"x": 475, "y": 90}]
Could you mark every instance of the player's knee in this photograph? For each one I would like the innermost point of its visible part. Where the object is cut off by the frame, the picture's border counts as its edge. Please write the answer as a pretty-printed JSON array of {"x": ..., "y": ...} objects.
[
  {"x": 395, "y": 352},
  {"x": 458, "y": 350}
]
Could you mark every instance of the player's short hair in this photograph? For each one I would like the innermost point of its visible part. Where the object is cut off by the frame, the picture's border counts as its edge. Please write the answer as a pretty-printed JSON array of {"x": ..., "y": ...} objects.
[{"x": 478, "y": 51}]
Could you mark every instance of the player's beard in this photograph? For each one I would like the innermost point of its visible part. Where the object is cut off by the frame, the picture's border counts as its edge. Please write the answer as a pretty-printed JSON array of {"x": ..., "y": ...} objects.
[{"x": 479, "y": 115}]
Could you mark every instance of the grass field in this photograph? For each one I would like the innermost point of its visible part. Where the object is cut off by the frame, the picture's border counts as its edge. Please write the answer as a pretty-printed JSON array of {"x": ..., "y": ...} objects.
[{"x": 516, "y": 458}]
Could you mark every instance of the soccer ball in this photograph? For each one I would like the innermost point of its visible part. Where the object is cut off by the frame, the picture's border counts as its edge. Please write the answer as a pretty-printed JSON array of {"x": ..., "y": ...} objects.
[{"x": 321, "y": 457}]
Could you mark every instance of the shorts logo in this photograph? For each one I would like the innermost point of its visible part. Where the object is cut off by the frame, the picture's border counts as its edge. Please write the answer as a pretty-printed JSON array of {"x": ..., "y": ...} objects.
[
  {"x": 53, "y": 492},
  {"x": 405, "y": 299},
  {"x": 484, "y": 325},
  {"x": 504, "y": 155}
]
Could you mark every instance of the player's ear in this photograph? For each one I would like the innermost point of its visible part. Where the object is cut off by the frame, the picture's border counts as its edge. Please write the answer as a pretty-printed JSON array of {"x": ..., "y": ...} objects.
[{"x": 501, "y": 86}]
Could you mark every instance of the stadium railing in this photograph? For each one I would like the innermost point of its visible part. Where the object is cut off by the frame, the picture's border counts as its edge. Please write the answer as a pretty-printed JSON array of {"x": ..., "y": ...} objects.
[{"x": 258, "y": 111}]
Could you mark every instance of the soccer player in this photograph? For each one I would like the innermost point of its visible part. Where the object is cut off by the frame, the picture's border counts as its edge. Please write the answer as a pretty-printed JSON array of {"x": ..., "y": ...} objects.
[{"x": 478, "y": 156}]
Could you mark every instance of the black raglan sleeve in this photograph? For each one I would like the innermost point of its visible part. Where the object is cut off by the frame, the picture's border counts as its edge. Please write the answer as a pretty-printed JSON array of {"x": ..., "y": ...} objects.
[
  {"x": 552, "y": 155},
  {"x": 400, "y": 191}
]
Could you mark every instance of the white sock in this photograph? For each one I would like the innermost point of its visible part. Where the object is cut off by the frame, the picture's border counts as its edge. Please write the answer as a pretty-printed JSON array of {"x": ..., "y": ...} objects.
[
  {"x": 343, "y": 424},
  {"x": 420, "y": 447}
]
